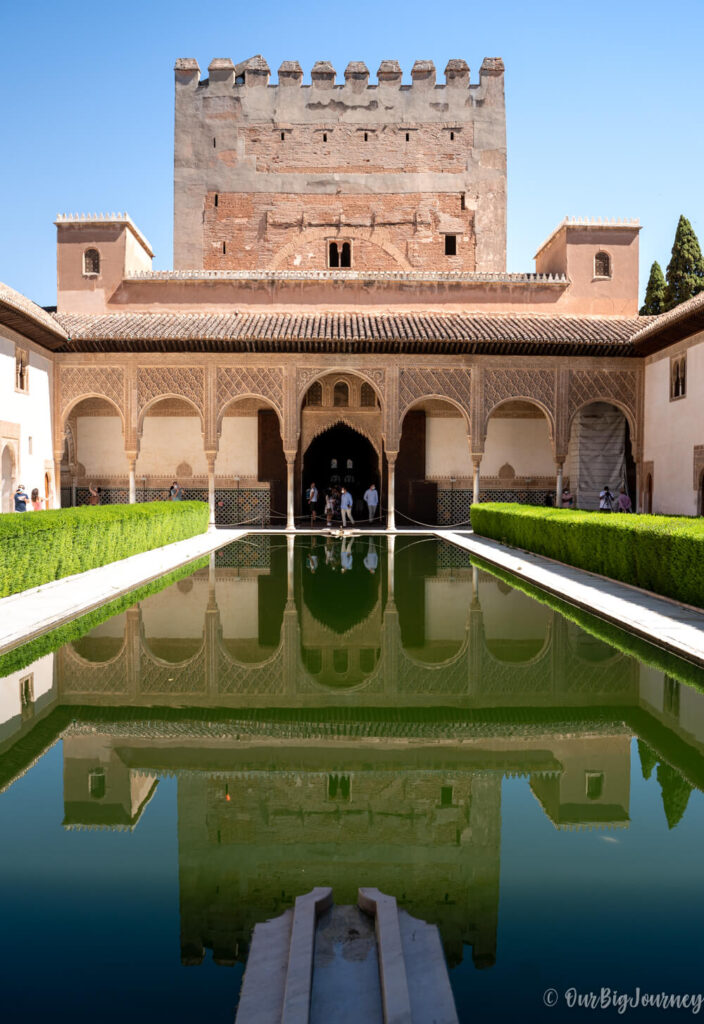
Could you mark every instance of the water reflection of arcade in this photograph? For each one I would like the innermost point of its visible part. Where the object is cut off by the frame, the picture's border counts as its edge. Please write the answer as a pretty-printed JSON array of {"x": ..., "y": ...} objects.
[{"x": 304, "y": 623}]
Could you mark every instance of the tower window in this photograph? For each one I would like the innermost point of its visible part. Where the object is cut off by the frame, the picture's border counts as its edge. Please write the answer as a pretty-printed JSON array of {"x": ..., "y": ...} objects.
[
  {"x": 408, "y": 136},
  {"x": 214, "y": 142},
  {"x": 325, "y": 136},
  {"x": 283, "y": 136},
  {"x": 96, "y": 783},
  {"x": 346, "y": 255},
  {"x": 594, "y": 785},
  {"x": 333, "y": 255},
  {"x": 91, "y": 261},
  {"x": 215, "y": 201},
  {"x": 602, "y": 265},
  {"x": 450, "y": 245},
  {"x": 366, "y": 136},
  {"x": 452, "y": 136},
  {"x": 463, "y": 201},
  {"x": 224, "y": 248},
  {"x": 21, "y": 370}
]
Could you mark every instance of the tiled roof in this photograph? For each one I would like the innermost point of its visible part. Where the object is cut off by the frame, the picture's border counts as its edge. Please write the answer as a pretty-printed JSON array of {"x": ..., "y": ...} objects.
[
  {"x": 337, "y": 331},
  {"x": 680, "y": 322},
  {"x": 25, "y": 317}
]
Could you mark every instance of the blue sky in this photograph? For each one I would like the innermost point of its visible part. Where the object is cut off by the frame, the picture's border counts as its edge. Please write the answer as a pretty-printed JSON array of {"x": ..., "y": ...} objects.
[{"x": 603, "y": 104}]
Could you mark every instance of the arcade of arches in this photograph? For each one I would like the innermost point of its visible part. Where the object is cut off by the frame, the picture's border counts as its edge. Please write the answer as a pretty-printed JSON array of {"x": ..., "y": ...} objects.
[{"x": 251, "y": 439}]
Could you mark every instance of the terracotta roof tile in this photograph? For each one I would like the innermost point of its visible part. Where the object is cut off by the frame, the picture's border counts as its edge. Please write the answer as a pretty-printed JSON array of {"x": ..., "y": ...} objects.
[{"x": 366, "y": 331}]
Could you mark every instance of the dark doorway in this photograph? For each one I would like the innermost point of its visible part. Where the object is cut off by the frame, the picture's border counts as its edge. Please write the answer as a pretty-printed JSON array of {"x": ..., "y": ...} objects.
[{"x": 341, "y": 457}]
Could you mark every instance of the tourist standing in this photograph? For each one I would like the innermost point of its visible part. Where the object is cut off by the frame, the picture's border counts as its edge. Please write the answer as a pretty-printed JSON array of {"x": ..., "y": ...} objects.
[
  {"x": 329, "y": 507},
  {"x": 36, "y": 500},
  {"x": 567, "y": 499},
  {"x": 312, "y": 499},
  {"x": 624, "y": 502},
  {"x": 605, "y": 500},
  {"x": 371, "y": 496},
  {"x": 346, "y": 507},
  {"x": 175, "y": 492},
  {"x": 21, "y": 499},
  {"x": 95, "y": 492}
]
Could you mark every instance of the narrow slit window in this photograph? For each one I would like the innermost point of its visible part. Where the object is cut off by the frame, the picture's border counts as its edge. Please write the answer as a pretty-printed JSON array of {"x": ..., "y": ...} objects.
[
  {"x": 216, "y": 199},
  {"x": 283, "y": 136},
  {"x": 214, "y": 142},
  {"x": 21, "y": 370},
  {"x": 452, "y": 136},
  {"x": 463, "y": 201},
  {"x": 450, "y": 245},
  {"x": 325, "y": 136},
  {"x": 224, "y": 248},
  {"x": 408, "y": 136},
  {"x": 366, "y": 136}
]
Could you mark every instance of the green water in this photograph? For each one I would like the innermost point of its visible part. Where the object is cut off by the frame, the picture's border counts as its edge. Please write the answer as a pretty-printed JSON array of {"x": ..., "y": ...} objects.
[{"x": 347, "y": 715}]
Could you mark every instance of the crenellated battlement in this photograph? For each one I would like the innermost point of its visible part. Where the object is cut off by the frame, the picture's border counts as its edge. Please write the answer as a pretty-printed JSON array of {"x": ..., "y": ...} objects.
[{"x": 256, "y": 72}]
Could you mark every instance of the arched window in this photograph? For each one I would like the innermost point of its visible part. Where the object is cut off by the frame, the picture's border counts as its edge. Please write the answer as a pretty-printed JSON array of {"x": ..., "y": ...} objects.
[
  {"x": 602, "y": 265},
  {"x": 91, "y": 261},
  {"x": 678, "y": 377},
  {"x": 314, "y": 395},
  {"x": 341, "y": 394},
  {"x": 346, "y": 255},
  {"x": 368, "y": 395},
  {"x": 333, "y": 255}
]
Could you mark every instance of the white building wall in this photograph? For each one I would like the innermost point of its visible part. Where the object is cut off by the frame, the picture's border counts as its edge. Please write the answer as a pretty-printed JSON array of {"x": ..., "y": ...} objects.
[
  {"x": 238, "y": 452},
  {"x": 673, "y": 428},
  {"x": 167, "y": 441},
  {"x": 44, "y": 689},
  {"x": 523, "y": 443},
  {"x": 446, "y": 447},
  {"x": 100, "y": 446},
  {"x": 25, "y": 415}
]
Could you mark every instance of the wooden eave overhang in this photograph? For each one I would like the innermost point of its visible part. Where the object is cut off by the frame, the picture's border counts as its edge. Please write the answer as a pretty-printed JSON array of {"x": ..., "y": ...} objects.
[
  {"x": 21, "y": 315},
  {"x": 676, "y": 325}
]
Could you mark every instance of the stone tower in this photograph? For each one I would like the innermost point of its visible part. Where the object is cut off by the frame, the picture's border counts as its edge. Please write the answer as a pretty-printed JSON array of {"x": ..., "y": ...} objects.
[{"x": 384, "y": 177}]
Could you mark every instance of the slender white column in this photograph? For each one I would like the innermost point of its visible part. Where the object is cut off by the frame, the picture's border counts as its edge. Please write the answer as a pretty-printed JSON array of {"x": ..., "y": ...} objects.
[
  {"x": 475, "y": 481},
  {"x": 210, "y": 456},
  {"x": 133, "y": 482},
  {"x": 290, "y": 541},
  {"x": 559, "y": 485},
  {"x": 290, "y": 515},
  {"x": 391, "y": 493}
]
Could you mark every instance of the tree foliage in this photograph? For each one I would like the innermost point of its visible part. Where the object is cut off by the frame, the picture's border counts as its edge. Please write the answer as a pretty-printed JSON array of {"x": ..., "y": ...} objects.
[
  {"x": 648, "y": 758},
  {"x": 685, "y": 271},
  {"x": 654, "y": 293},
  {"x": 675, "y": 793}
]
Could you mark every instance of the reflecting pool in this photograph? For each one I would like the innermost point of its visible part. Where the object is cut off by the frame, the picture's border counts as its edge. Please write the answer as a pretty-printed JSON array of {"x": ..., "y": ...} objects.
[{"x": 345, "y": 713}]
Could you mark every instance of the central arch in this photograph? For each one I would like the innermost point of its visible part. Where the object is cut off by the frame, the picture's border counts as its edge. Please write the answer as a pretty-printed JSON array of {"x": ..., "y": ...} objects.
[{"x": 341, "y": 456}]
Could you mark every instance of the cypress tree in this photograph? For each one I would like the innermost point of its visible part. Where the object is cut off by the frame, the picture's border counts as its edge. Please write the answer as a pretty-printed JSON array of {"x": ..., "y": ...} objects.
[
  {"x": 685, "y": 271},
  {"x": 648, "y": 759},
  {"x": 675, "y": 793},
  {"x": 655, "y": 292}
]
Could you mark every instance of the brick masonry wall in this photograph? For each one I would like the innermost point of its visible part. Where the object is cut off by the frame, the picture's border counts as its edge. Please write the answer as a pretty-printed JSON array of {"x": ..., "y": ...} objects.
[{"x": 254, "y": 231}]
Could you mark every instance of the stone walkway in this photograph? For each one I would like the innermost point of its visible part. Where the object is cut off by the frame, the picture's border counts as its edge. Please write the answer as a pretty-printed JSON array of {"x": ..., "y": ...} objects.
[
  {"x": 32, "y": 612},
  {"x": 675, "y": 627}
]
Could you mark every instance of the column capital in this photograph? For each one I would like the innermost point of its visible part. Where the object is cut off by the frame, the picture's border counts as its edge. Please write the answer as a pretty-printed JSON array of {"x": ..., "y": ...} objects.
[
  {"x": 210, "y": 457},
  {"x": 290, "y": 456}
]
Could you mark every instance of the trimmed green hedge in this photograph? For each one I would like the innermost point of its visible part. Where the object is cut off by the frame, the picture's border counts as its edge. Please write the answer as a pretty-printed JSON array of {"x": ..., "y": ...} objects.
[
  {"x": 664, "y": 554},
  {"x": 38, "y": 547}
]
